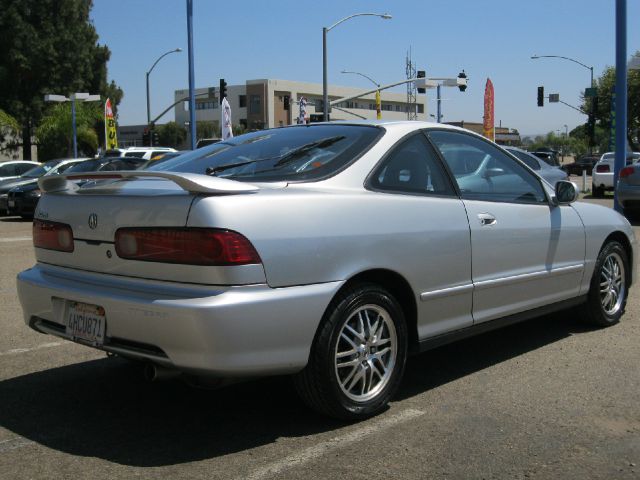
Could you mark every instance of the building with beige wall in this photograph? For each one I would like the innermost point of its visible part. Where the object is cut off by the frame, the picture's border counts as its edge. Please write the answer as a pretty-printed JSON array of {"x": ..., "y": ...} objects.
[{"x": 262, "y": 104}]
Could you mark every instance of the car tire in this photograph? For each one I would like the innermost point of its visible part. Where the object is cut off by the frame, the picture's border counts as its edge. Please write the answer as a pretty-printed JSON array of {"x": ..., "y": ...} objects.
[
  {"x": 609, "y": 287},
  {"x": 358, "y": 355},
  {"x": 597, "y": 192}
]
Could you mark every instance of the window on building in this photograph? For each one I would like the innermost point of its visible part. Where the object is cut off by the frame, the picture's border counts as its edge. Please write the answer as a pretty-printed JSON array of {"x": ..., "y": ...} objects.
[
  {"x": 242, "y": 101},
  {"x": 255, "y": 105},
  {"x": 420, "y": 108}
]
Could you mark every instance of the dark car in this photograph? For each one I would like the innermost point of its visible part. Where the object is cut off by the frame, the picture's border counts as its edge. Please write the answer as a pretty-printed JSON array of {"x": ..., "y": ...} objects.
[
  {"x": 23, "y": 199},
  {"x": 548, "y": 157},
  {"x": 586, "y": 162}
]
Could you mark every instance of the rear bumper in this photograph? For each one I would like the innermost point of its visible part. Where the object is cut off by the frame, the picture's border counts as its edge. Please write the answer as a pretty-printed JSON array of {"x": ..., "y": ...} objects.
[
  {"x": 628, "y": 195},
  {"x": 22, "y": 205},
  {"x": 602, "y": 180},
  {"x": 211, "y": 330}
]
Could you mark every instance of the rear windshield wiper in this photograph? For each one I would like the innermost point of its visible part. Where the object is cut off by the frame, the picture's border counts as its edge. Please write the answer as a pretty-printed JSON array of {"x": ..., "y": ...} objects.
[{"x": 283, "y": 159}]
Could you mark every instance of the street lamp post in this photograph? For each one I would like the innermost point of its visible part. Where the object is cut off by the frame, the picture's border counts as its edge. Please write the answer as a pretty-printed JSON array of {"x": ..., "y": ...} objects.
[
  {"x": 378, "y": 102},
  {"x": 535, "y": 57},
  {"x": 325, "y": 30},
  {"x": 73, "y": 98},
  {"x": 176, "y": 50}
]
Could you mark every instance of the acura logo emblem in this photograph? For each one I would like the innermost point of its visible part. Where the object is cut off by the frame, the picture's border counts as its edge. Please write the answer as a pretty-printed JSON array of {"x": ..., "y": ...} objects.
[{"x": 93, "y": 221}]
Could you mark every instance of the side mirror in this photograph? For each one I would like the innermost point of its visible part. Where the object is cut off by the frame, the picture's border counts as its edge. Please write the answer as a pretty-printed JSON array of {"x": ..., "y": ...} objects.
[
  {"x": 566, "y": 192},
  {"x": 493, "y": 172}
]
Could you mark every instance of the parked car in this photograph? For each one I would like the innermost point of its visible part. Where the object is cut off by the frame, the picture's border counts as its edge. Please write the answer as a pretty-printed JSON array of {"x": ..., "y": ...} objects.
[
  {"x": 52, "y": 167},
  {"x": 145, "y": 152},
  {"x": 542, "y": 168},
  {"x": 602, "y": 175},
  {"x": 628, "y": 189},
  {"x": 14, "y": 168},
  {"x": 203, "y": 142},
  {"x": 548, "y": 157},
  {"x": 23, "y": 199},
  {"x": 327, "y": 251},
  {"x": 584, "y": 163}
]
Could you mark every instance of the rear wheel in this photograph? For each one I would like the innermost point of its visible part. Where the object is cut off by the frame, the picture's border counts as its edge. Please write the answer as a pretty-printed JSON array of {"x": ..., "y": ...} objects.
[
  {"x": 597, "y": 192},
  {"x": 607, "y": 296},
  {"x": 358, "y": 356}
]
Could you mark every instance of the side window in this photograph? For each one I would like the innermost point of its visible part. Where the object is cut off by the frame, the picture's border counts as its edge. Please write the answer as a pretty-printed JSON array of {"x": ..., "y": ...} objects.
[
  {"x": 23, "y": 167},
  {"x": 483, "y": 172},
  {"x": 412, "y": 167},
  {"x": 7, "y": 171}
]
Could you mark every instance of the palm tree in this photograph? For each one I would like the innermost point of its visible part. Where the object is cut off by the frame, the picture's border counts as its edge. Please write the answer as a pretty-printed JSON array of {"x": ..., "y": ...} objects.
[{"x": 55, "y": 133}]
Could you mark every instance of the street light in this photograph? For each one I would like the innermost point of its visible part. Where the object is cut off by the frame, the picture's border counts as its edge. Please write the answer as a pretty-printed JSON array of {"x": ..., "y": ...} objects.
[
  {"x": 535, "y": 57},
  {"x": 325, "y": 94},
  {"x": 176, "y": 50},
  {"x": 378, "y": 101},
  {"x": 73, "y": 98}
]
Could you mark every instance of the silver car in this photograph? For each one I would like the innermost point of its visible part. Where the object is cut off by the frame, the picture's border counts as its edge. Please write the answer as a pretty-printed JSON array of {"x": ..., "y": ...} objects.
[
  {"x": 326, "y": 251},
  {"x": 550, "y": 173}
]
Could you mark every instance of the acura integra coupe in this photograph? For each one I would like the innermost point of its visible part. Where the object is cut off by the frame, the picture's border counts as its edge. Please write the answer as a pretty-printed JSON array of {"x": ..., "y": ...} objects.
[{"x": 326, "y": 251}]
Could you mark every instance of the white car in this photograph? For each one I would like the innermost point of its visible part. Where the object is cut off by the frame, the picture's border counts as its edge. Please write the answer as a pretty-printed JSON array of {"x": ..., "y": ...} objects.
[
  {"x": 602, "y": 175},
  {"x": 145, "y": 152},
  {"x": 13, "y": 169}
]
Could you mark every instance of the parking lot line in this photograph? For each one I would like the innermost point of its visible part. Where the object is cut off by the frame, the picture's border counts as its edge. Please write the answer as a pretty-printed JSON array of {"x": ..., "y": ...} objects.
[
  {"x": 323, "y": 448},
  {"x": 15, "y": 239},
  {"x": 16, "y": 351}
]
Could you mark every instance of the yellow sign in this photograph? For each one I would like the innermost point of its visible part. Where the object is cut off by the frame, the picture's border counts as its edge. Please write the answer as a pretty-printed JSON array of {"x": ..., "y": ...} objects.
[
  {"x": 110, "y": 138},
  {"x": 378, "y": 106}
]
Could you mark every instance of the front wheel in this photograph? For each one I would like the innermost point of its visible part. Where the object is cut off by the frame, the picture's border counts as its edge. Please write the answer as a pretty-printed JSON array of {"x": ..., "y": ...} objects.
[
  {"x": 358, "y": 356},
  {"x": 607, "y": 296}
]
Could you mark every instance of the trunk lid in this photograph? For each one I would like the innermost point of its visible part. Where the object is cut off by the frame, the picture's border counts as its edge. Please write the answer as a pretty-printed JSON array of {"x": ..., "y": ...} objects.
[{"x": 95, "y": 211}]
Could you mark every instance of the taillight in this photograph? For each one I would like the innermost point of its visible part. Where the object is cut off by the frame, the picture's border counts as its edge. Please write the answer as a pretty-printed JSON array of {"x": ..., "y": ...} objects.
[
  {"x": 602, "y": 168},
  {"x": 626, "y": 171},
  {"x": 192, "y": 246},
  {"x": 52, "y": 235}
]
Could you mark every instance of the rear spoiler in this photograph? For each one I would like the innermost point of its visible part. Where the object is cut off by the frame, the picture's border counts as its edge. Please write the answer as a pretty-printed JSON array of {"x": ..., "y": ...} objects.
[{"x": 191, "y": 182}]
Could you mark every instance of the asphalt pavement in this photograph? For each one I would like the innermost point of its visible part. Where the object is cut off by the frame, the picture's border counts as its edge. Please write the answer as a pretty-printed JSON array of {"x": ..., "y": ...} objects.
[{"x": 545, "y": 399}]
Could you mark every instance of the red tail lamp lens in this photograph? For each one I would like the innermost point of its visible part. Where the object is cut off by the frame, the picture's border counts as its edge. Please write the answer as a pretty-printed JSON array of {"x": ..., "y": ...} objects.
[
  {"x": 602, "y": 168},
  {"x": 191, "y": 246},
  {"x": 52, "y": 236},
  {"x": 626, "y": 171}
]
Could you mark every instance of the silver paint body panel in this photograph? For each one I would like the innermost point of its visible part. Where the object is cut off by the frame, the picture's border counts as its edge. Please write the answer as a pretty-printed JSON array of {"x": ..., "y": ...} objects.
[{"x": 312, "y": 238}]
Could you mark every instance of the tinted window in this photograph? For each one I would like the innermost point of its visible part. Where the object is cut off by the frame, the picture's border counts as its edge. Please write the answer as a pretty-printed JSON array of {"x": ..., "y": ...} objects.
[
  {"x": 7, "y": 171},
  {"x": 282, "y": 154},
  {"x": 23, "y": 167},
  {"x": 497, "y": 178},
  {"x": 412, "y": 167},
  {"x": 82, "y": 167}
]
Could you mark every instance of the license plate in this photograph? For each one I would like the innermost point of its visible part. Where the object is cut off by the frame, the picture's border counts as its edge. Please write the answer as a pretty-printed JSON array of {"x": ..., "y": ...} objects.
[
  {"x": 11, "y": 203},
  {"x": 86, "y": 322}
]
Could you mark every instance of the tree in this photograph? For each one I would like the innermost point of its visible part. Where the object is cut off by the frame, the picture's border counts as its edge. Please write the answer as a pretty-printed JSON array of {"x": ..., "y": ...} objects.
[
  {"x": 171, "y": 135},
  {"x": 48, "y": 46},
  {"x": 9, "y": 129},
  {"x": 606, "y": 85},
  {"x": 55, "y": 132}
]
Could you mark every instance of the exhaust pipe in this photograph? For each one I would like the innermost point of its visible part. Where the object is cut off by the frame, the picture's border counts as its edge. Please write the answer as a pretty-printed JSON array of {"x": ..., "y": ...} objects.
[{"x": 155, "y": 373}]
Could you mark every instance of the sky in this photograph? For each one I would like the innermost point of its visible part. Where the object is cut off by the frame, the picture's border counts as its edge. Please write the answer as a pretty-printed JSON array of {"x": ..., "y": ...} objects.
[{"x": 282, "y": 39}]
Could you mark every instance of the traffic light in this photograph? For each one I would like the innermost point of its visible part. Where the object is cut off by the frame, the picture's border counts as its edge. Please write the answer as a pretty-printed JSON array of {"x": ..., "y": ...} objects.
[
  {"x": 463, "y": 76},
  {"x": 223, "y": 89},
  {"x": 155, "y": 137},
  {"x": 146, "y": 138},
  {"x": 421, "y": 74},
  {"x": 541, "y": 96},
  {"x": 287, "y": 103}
]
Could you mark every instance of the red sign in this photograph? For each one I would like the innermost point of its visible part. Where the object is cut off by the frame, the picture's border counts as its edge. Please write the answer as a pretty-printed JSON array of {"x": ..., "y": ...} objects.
[{"x": 489, "y": 119}]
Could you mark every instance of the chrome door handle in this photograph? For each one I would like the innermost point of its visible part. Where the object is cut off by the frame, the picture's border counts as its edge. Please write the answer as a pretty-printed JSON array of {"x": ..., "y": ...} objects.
[{"x": 486, "y": 219}]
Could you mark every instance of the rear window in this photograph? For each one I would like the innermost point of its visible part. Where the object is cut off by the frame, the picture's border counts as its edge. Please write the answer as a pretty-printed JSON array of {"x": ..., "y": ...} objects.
[{"x": 298, "y": 153}]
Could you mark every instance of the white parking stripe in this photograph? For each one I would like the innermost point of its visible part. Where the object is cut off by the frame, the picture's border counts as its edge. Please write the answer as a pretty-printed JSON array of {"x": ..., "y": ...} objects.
[
  {"x": 323, "y": 448},
  {"x": 15, "y": 239},
  {"x": 15, "y": 351},
  {"x": 13, "y": 443}
]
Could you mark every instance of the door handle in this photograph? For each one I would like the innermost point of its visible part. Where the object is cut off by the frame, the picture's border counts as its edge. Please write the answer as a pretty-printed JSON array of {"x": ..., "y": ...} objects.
[{"x": 486, "y": 219}]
